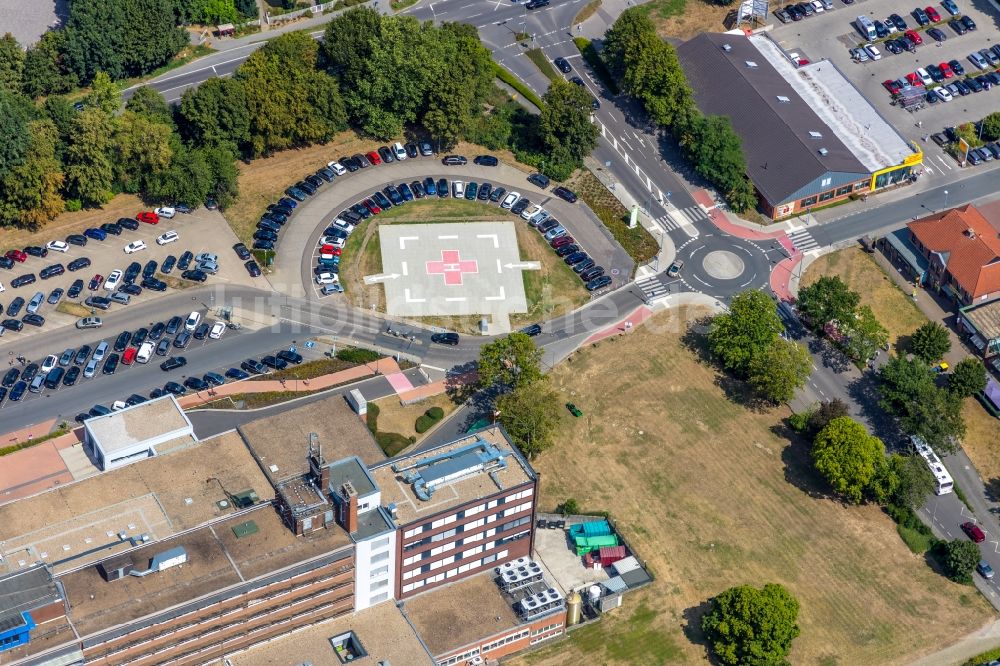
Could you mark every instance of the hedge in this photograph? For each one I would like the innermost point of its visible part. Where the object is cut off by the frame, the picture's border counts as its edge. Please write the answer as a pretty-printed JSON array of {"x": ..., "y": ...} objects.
[
  {"x": 356, "y": 355},
  {"x": 516, "y": 84}
]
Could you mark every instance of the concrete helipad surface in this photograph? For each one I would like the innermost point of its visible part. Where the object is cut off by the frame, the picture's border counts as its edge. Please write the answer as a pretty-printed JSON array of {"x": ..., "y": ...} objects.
[{"x": 451, "y": 269}]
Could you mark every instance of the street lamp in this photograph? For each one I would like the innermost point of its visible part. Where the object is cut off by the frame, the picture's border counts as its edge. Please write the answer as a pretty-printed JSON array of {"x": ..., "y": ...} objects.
[{"x": 946, "y": 198}]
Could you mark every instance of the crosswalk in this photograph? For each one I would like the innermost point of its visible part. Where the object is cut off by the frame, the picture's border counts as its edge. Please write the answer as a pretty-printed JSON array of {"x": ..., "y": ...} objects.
[
  {"x": 681, "y": 218},
  {"x": 803, "y": 240},
  {"x": 652, "y": 287}
]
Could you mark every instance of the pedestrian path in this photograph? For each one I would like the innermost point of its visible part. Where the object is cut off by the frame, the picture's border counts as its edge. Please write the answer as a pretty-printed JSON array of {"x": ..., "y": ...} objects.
[
  {"x": 803, "y": 240},
  {"x": 681, "y": 218},
  {"x": 652, "y": 287}
]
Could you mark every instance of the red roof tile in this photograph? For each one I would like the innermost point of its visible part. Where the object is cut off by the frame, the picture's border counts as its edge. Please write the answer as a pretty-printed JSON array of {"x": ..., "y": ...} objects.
[{"x": 968, "y": 244}]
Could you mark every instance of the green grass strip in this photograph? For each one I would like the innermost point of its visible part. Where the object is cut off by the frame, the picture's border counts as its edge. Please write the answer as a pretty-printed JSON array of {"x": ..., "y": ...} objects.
[
  {"x": 517, "y": 85},
  {"x": 542, "y": 63}
]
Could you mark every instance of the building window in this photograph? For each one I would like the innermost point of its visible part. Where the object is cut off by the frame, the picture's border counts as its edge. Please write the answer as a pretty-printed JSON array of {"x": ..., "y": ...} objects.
[
  {"x": 826, "y": 196},
  {"x": 347, "y": 647},
  {"x": 845, "y": 190},
  {"x": 805, "y": 203}
]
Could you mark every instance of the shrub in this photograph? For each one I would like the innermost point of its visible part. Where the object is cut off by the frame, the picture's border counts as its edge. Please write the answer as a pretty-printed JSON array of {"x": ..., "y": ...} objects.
[
  {"x": 73, "y": 205},
  {"x": 371, "y": 418},
  {"x": 356, "y": 355},
  {"x": 424, "y": 423},
  {"x": 799, "y": 422},
  {"x": 569, "y": 507},
  {"x": 435, "y": 413}
]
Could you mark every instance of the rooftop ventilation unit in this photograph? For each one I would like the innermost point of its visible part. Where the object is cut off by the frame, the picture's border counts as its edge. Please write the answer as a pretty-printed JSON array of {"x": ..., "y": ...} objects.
[
  {"x": 751, "y": 64},
  {"x": 823, "y": 151},
  {"x": 427, "y": 474},
  {"x": 816, "y": 135},
  {"x": 783, "y": 99},
  {"x": 727, "y": 48}
]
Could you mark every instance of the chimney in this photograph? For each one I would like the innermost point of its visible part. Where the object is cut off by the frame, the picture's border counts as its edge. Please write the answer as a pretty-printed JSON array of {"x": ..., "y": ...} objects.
[
  {"x": 317, "y": 464},
  {"x": 349, "y": 507}
]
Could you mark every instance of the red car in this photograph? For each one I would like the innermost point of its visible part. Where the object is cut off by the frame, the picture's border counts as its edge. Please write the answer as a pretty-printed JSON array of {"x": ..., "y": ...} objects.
[
  {"x": 148, "y": 217},
  {"x": 946, "y": 70},
  {"x": 17, "y": 255},
  {"x": 914, "y": 79},
  {"x": 128, "y": 358},
  {"x": 96, "y": 282},
  {"x": 562, "y": 240},
  {"x": 374, "y": 158},
  {"x": 372, "y": 206},
  {"x": 932, "y": 14},
  {"x": 892, "y": 86},
  {"x": 974, "y": 532},
  {"x": 914, "y": 37},
  {"x": 329, "y": 249}
]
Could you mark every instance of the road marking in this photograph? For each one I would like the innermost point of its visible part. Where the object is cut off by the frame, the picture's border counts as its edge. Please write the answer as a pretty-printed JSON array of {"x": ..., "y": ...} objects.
[
  {"x": 501, "y": 297},
  {"x": 454, "y": 299},
  {"x": 404, "y": 268},
  {"x": 525, "y": 266},
  {"x": 449, "y": 237},
  {"x": 406, "y": 295},
  {"x": 496, "y": 239},
  {"x": 499, "y": 267},
  {"x": 432, "y": 367},
  {"x": 403, "y": 239}
]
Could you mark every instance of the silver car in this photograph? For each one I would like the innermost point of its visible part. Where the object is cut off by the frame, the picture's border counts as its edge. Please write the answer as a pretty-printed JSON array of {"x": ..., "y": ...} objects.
[{"x": 91, "y": 368}]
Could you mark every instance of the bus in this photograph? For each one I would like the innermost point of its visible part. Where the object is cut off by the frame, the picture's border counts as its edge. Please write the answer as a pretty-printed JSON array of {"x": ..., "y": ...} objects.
[{"x": 943, "y": 483}]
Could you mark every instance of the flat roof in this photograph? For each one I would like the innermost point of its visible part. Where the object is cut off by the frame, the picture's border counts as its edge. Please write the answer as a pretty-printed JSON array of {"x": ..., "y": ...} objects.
[
  {"x": 217, "y": 559},
  {"x": 157, "y": 496},
  {"x": 25, "y": 591},
  {"x": 448, "y": 617},
  {"x": 351, "y": 469},
  {"x": 372, "y": 523},
  {"x": 282, "y": 440},
  {"x": 382, "y": 631},
  {"x": 122, "y": 430},
  {"x": 986, "y": 318},
  {"x": 410, "y": 508}
]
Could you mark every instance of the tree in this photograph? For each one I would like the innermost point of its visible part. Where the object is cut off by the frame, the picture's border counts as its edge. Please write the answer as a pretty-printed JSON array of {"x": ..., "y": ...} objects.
[
  {"x": 826, "y": 412},
  {"x": 510, "y": 362},
  {"x": 780, "y": 370},
  {"x": 930, "y": 342},
  {"x": 908, "y": 391},
  {"x": 30, "y": 193},
  {"x": 565, "y": 120},
  {"x": 865, "y": 335},
  {"x": 652, "y": 73},
  {"x": 626, "y": 31},
  {"x": 748, "y": 626},
  {"x": 11, "y": 64},
  {"x": 901, "y": 381},
  {"x": 528, "y": 413},
  {"x": 104, "y": 94},
  {"x": 827, "y": 299},
  {"x": 45, "y": 70},
  {"x": 142, "y": 149},
  {"x": 959, "y": 557},
  {"x": 215, "y": 112},
  {"x": 849, "y": 458},
  {"x": 991, "y": 126},
  {"x": 747, "y": 330},
  {"x": 148, "y": 102},
  {"x": 15, "y": 114},
  {"x": 456, "y": 100},
  {"x": 967, "y": 378},
  {"x": 914, "y": 481},
  {"x": 89, "y": 171}
]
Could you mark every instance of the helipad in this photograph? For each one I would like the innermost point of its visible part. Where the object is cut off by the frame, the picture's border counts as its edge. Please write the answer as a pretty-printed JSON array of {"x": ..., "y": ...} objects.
[{"x": 451, "y": 269}]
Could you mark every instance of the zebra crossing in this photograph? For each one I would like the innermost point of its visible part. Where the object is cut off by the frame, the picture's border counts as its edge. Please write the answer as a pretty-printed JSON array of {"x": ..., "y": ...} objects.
[
  {"x": 681, "y": 218},
  {"x": 653, "y": 287},
  {"x": 803, "y": 240}
]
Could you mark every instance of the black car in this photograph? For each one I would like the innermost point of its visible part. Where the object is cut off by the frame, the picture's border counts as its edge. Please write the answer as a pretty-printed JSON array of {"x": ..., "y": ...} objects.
[
  {"x": 519, "y": 207},
  {"x": 442, "y": 188},
  {"x": 445, "y": 338},
  {"x": 15, "y": 307},
  {"x": 486, "y": 160},
  {"x": 201, "y": 332},
  {"x": 454, "y": 160},
  {"x": 121, "y": 342},
  {"x": 381, "y": 200},
  {"x": 54, "y": 377},
  {"x": 29, "y": 372},
  {"x": 111, "y": 228},
  {"x": 174, "y": 388},
  {"x": 241, "y": 251},
  {"x": 411, "y": 149},
  {"x": 279, "y": 209},
  {"x": 292, "y": 357},
  {"x": 315, "y": 181},
  {"x": 348, "y": 164},
  {"x": 81, "y": 355},
  {"x": 10, "y": 377},
  {"x": 253, "y": 366},
  {"x": 110, "y": 364},
  {"x": 237, "y": 374},
  {"x": 533, "y": 330},
  {"x": 584, "y": 265},
  {"x": 149, "y": 269},
  {"x": 565, "y": 194},
  {"x": 967, "y": 21},
  {"x": 163, "y": 347},
  {"x": 12, "y": 324},
  {"x": 173, "y": 363},
  {"x": 77, "y": 239},
  {"x": 196, "y": 384},
  {"x": 195, "y": 275},
  {"x": 36, "y": 251},
  {"x": 182, "y": 340},
  {"x": 274, "y": 362},
  {"x": 957, "y": 26},
  {"x": 265, "y": 234},
  {"x": 6, "y": 262},
  {"x": 795, "y": 12},
  {"x": 361, "y": 160},
  {"x": 153, "y": 284},
  {"x": 405, "y": 190},
  {"x": 168, "y": 264},
  {"x": 185, "y": 261},
  {"x": 252, "y": 268},
  {"x": 157, "y": 393},
  {"x": 576, "y": 258},
  {"x": 78, "y": 264},
  {"x": 893, "y": 46},
  {"x": 541, "y": 180},
  {"x": 484, "y": 191},
  {"x": 17, "y": 392},
  {"x": 881, "y": 30},
  {"x": 576, "y": 80},
  {"x": 131, "y": 272},
  {"x": 21, "y": 280},
  {"x": 72, "y": 374},
  {"x": 418, "y": 189},
  {"x": 173, "y": 325},
  {"x": 263, "y": 245},
  {"x": 135, "y": 399},
  {"x": 33, "y": 319},
  {"x": 303, "y": 186},
  {"x": 599, "y": 283},
  {"x": 898, "y": 21},
  {"x": 386, "y": 155},
  {"x": 128, "y": 223},
  {"x": 156, "y": 332},
  {"x": 563, "y": 65},
  {"x": 497, "y": 194},
  {"x": 471, "y": 190},
  {"x": 326, "y": 175},
  {"x": 214, "y": 379},
  {"x": 54, "y": 296},
  {"x": 937, "y": 35},
  {"x": 75, "y": 289},
  {"x": 536, "y": 4},
  {"x": 566, "y": 250},
  {"x": 361, "y": 211},
  {"x": 99, "y": 302}
]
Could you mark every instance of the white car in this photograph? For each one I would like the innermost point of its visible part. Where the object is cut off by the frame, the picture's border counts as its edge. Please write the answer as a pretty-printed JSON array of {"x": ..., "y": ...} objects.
[
  {"x": 344, "y": 224},
  {"x": 2, "y": 288},
  {"x": 192, "y": 321},
  {"x": 337, "y": 168},
  {"x": 924, "y": 77},
  {"x": 943, "y": 94},
  {"x": 167, "y": 212},
  {"x": 145, "y": 352},
  {"x": 49, "y": 363},
  {"x": 118, "y": 405},
  {"x": 873, "y": 52},
  {"x": 458, "y": 189},
  {"x": 529, "y": 213},
  {"x": 818, "y": 6},
  {"x": 218, "y": 328},
  {"x": 58, "y": 246},
  {"x": 135, "y": 246},
  {"x": 114, "y": 279},
  {"x": 890, "y": 26},
  {"x": 332, "y": 240},
  {"x": 168, "y": 237},
  {"x": 510, "y": 200},
  {"x": 399, "y": 151},
  {"x": 326, "y": 278}
]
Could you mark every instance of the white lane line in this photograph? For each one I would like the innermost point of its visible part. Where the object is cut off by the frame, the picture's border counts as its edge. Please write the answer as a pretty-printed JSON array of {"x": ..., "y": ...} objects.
[
  {"x": 406, "y": 295},
  {"x": 455, "y": 299},
  {"x": 501, "y": 297},
  {"x": 406, "y": 271}
]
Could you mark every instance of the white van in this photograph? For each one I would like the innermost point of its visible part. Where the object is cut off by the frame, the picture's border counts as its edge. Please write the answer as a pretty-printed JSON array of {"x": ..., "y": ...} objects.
[
  {"x": 145, "y": 352},
  {"x": 866, "y": 28}
]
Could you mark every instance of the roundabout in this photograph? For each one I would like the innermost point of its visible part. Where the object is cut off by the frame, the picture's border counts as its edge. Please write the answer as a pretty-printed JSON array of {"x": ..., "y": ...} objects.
[{"x": 721, "y": 266}]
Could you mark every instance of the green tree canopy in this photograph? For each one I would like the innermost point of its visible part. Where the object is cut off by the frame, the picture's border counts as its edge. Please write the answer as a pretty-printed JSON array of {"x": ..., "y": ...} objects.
[
  {"x": 89, "y": 168},
  {"x": 750, "y": 626},
  {"x": 215, "y": 112},
  {"x": 914, "y": 481},
  {"x": 780, "y": 370},
  {"x": 11, "y": 64},
  {"x": 142, "y": 149},
  {"x": 930, "y": 342},
  {"x": 745, "y": 331},
  {"x": 850, "y": 459},
  {"x": 908, "y": 391},
  {"x": 529, "y": 415},
  {"x": 967, "y": 378},
  {"x": 959, "y": 557},
  {"x": 901, "y": 381},
  {"x": 30, "y": 193},
  {"x": 629, "y": 28},
  {"x": 15, "y": 114},
  {"x": 45, "y": 68},
  {"x": 827, "y": 299},
  {"x": 991, "y": 126},
  {"x": 865, "y": 335},
  {"x": 510, "y": 362},
  {"x": 565, "y": 119},
  {"x": 148, "y": 102},
  {"x": 104, "y": 94}
]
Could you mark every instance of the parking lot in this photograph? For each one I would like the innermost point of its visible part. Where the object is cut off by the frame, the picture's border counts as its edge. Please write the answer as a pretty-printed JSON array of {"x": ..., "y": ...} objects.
[
  {"x": 832, "y": 34},
  {"x": 200, "y": 231}
]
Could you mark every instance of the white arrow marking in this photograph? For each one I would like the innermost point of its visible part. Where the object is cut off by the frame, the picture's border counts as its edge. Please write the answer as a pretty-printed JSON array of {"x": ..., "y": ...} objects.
[
  {"x": 525, "y": 265},
  {"x": 382, "y": 277}
]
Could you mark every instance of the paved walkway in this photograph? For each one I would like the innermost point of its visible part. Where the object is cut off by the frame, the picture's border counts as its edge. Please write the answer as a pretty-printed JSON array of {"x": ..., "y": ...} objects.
[{"x": 31, "y": 471}]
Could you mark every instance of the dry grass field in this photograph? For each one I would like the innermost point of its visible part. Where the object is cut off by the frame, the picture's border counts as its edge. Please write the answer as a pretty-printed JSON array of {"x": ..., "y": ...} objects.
[
  {"x": 399, "y": 418},
  {"x": 713, "y": 495},
  {"x": 123, "y": 205}
]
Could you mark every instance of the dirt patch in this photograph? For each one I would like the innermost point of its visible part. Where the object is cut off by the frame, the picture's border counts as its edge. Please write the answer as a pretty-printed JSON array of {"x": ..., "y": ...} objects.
[
  {"x": 980, "y": 443},
  {"x": 894, "y": 309},
  {"x": 123, "y": 205},
  {"x": 684, "y": 19},
  {"x": 714, "y": 495},
  {"x": 73, "y": 309},
  {"x": 395, "y": 417}
]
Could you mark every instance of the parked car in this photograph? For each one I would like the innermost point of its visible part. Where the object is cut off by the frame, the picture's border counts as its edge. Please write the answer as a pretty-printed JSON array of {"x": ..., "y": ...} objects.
[{"x": 974, "y": 532}]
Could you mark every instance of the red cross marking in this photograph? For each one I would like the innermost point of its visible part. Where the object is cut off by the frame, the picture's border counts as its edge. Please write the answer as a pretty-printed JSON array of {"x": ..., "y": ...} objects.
[{"x": 452, "y": 267}]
